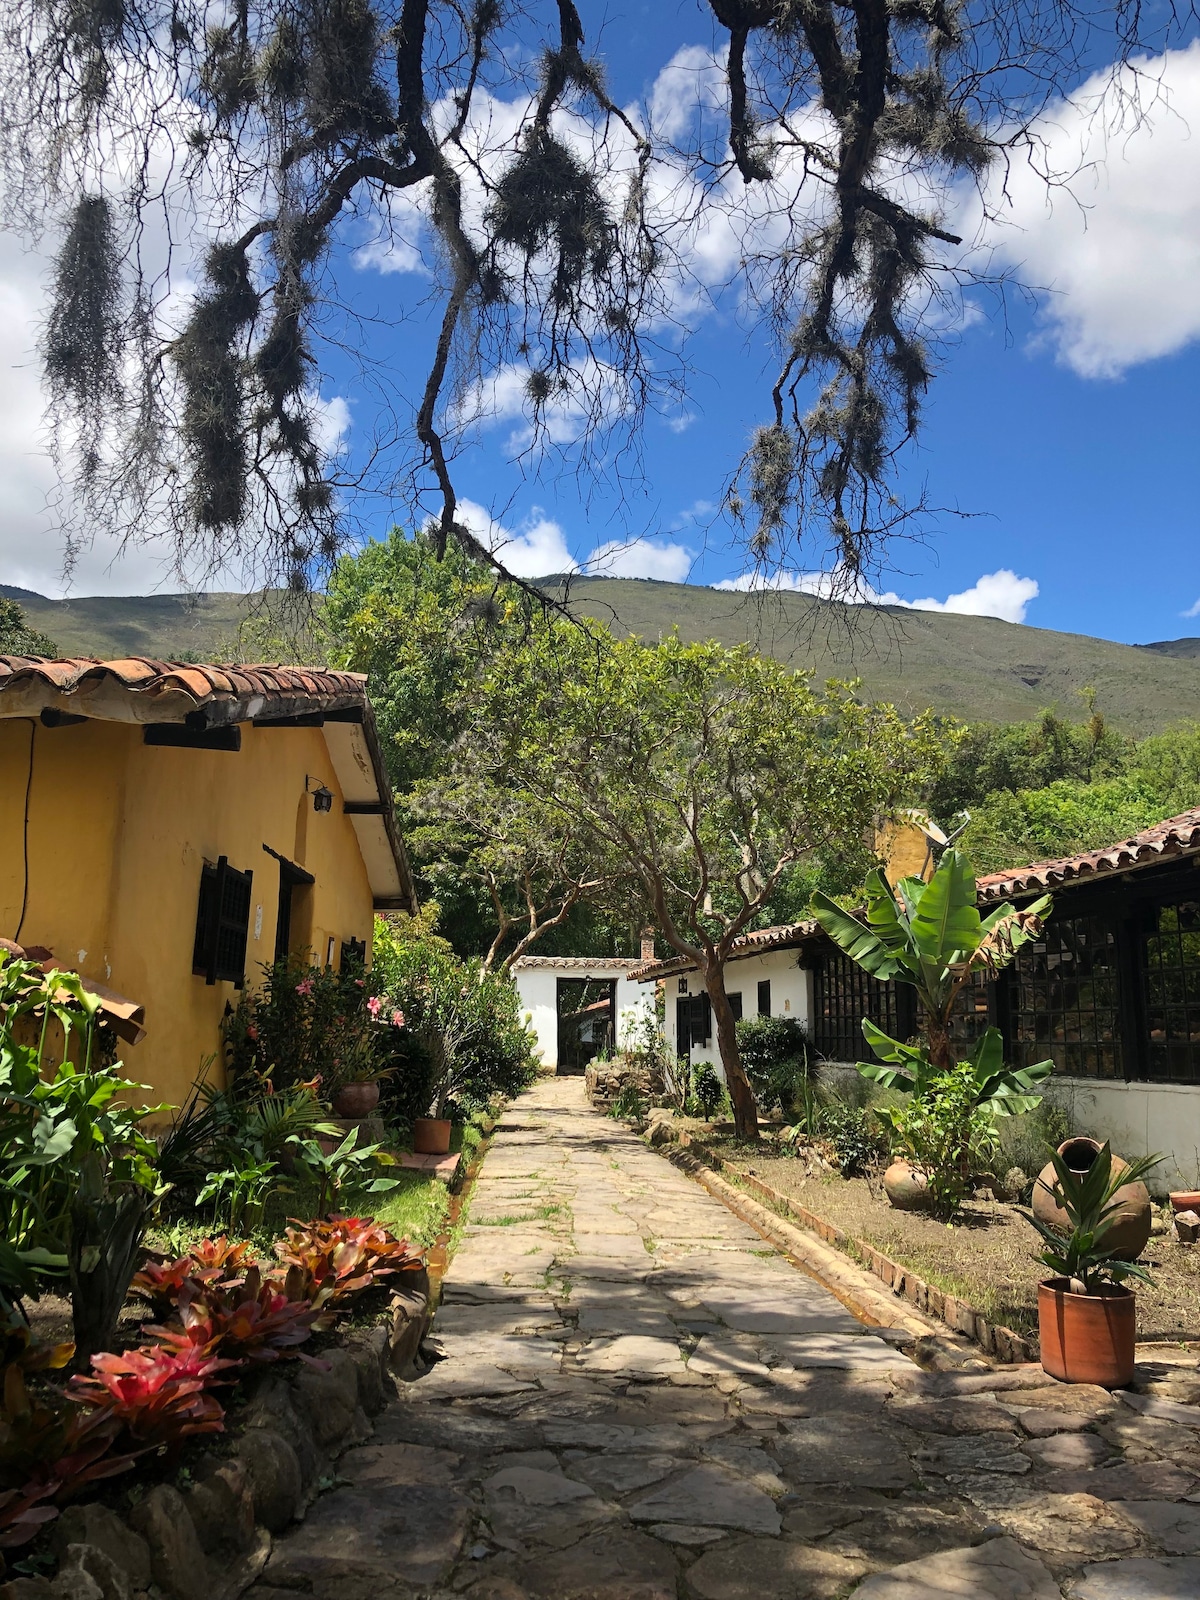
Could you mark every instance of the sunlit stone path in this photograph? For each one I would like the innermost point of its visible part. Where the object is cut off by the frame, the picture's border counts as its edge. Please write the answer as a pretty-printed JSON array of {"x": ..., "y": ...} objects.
[{"x": 640, "y": 1399}]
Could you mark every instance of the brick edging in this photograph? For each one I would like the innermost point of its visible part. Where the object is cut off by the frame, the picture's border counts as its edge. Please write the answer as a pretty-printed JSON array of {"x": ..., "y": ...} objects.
[{"x": 992, "y": 1337}]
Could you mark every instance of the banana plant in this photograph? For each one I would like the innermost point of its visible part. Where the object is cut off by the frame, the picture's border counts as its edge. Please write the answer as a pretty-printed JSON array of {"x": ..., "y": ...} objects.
[
  {"x": 931, "y": 935},
  {"x": 1001, "y": 1091}
]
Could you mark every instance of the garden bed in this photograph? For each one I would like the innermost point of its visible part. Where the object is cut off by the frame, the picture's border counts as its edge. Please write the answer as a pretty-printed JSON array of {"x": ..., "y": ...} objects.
[{"x": 987, "y": 1258}]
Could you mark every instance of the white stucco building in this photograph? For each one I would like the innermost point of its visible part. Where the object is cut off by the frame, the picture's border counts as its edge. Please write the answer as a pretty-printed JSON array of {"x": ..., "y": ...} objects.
[{"x": 578, "y": 1005}]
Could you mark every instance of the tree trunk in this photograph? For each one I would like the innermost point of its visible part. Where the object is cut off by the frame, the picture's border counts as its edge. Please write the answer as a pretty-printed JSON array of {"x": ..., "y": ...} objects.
[
  {"x": 745, "y": 1112},
  {"x": 941, "y": 1050}
]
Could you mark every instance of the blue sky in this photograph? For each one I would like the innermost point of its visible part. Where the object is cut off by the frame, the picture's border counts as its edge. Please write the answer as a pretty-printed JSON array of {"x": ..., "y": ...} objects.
[{"x": 1069, "y": 432}]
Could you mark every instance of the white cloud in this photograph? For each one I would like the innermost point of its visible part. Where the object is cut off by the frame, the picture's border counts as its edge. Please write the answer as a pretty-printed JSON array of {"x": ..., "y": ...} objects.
[
  {"x": 537, "y": 550},
  {"x": 1120, "y": 249},
  {"x": 640, "y": 558},
  {"x": 1192, "y": 611},
  {"x": 996, "y": 594}
]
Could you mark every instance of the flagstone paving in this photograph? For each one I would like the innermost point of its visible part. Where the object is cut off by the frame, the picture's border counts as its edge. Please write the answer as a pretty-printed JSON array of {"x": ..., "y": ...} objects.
[{"x": 640, "y": 1399}]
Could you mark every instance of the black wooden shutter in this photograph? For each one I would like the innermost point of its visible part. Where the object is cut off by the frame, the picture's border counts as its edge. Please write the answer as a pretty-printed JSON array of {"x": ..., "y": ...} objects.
[{"x": 222, "y": 924}]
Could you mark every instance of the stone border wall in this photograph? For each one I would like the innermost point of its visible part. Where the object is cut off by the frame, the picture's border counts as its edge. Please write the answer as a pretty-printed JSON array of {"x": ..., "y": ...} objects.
[
  {"x": 209, "y": 1539},
  {"x": 993, "y": 1338}
]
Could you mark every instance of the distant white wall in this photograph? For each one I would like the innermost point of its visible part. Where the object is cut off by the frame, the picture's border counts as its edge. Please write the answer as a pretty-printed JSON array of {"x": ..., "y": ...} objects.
[
  {"x": 538, "y": 991},
  {"x": 791, "y": 995},
  {"x": 1138, "y": 1119}
]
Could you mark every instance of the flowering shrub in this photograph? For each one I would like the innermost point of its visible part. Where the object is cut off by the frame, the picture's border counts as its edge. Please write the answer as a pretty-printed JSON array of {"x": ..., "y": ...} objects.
[
  {"x": 305, "y": 1025},
  {"x": 158, "y": 1395},
  {"x": 332, "y": 1261}
]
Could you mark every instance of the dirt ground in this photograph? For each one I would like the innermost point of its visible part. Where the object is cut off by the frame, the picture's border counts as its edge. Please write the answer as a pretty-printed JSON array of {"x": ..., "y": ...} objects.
[{"x": 987, "y": 1257}]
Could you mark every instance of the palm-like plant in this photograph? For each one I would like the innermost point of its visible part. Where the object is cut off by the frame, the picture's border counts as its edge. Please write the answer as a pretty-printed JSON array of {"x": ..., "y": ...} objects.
[
  {"x": 931, "y": 936},
  {"x": 1090, "y": 1203}
]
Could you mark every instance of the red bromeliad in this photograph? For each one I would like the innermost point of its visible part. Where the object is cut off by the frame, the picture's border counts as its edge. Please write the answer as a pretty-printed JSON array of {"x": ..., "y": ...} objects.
[
  {"x": 249, "y": 1321},
  {"x": 331, "y": 1261},
  {"x": 211, "y": 1261},
  {"x": 157, "y": 1394}
]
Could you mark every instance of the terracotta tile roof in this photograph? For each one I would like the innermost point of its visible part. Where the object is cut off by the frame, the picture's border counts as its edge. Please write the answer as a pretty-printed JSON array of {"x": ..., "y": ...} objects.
[
  {"x": 141, "y": 690},
  {"x": 1176, "y": 836},
  {"x": 575, "y": 963},
  {"x": 205, "y": 696},
  {"x": 762, "y": 940}
]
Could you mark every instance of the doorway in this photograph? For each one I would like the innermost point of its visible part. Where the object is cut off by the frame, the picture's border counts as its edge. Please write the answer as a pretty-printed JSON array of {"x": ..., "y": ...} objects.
[{"x": 587, "y": 1021}]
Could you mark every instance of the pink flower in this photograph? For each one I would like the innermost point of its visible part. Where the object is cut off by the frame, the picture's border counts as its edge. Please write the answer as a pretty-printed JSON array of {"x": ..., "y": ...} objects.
[
  {"x": 358, "y": 983},
  {"x": 397, "y": 1019},
  {"x": 374, "y": 1005},
  {"x": 305, "y": 986},
  {"x": 252, "y": 1032}
]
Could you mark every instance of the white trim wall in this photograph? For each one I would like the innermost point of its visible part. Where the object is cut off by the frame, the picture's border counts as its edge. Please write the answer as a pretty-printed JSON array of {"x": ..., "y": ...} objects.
[
  {"x": 791, "y": 995},
  {"x": 537, "y": 985}
]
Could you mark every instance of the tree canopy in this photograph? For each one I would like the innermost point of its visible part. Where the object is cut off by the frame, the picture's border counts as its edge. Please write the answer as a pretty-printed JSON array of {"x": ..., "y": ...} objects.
[
  {"x": 204, "y": 173},
  {"x": 702, "y": 775}
]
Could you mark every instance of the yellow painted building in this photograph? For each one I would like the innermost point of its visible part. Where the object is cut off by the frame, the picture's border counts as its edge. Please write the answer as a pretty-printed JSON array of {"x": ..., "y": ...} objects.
[{"x": 166, "y": 831}]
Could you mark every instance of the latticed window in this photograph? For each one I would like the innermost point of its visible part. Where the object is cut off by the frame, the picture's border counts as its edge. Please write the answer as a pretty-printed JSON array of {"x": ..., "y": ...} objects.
[
  {"x": 1172, "y": 979},
  {"x": 222, "y": 924},
  {"x": 1066, "y": 999},
  {"x": 974, "y": 1012},
  {"x": 843, "y": 995}
]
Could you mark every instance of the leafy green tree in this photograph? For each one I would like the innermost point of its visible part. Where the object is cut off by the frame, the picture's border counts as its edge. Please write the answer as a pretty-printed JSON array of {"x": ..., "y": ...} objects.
[
  {"x": 704, "y": 774},
  {"x": 17, "y": 638}
]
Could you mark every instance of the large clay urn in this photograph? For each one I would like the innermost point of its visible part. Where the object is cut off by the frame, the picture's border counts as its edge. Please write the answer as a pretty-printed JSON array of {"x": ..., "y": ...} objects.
[
  {"x": 356, "y": 1100},
  {"x": 1127, "y": 1237},
  {"x": 906, "y": 1188}
]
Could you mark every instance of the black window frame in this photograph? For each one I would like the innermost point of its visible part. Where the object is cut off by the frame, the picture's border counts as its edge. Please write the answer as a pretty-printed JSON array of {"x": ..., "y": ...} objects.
[
  {"x": 222, "y": 923},
  {"x": 843, "y": 994},
  {"x": 764, "y": 997}
]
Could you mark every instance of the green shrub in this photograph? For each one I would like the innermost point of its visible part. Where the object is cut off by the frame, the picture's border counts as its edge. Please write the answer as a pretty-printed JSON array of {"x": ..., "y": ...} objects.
[
  {"x": 708, "y": 1091},
  {"x": 304, "y": 1025},
  {"x": 854, "y": 1135},
  {"x": 774, "y": 1052}
]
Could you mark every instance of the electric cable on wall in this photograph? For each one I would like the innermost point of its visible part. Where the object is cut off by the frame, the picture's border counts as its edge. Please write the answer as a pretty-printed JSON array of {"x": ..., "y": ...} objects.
[{"x": 25, "y": 833}]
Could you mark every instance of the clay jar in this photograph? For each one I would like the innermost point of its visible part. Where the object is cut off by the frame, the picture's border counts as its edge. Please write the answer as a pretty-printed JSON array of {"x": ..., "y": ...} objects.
[
  {"x": 906, "y": 1188},
  {"x": 431, "y": 1136},
  {"x": 1127, "y": 1237},
  {"x": 1087, "y": 1338},
  {"x": 356, "y": 1099}
]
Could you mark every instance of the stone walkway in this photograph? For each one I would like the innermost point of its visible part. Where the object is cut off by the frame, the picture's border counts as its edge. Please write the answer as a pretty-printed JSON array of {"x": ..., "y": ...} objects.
[{"x": 640, "y": 1399}]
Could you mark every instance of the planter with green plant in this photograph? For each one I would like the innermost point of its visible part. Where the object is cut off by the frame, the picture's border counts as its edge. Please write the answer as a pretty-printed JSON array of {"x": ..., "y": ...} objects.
[
  {"x": 1087, "y": 1318},
  {"x": 931, "y": 936}
]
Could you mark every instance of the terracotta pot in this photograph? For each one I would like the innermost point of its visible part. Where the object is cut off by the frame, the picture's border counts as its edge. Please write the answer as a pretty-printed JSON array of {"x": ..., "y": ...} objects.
[
  {"x": 431, "y": 1136},
  {"x": 1185, "y": 1200},
  {"x": 906, "y": 1188},
  {"x": 1087, "y": 1338},
  {"x": 1127, "y": 1237},
  {"x": 356, "y": 1100}
]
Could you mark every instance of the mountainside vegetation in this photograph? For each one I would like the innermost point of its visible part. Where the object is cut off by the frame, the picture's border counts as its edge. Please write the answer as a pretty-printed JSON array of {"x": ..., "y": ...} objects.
[{"x": 974, "y": 668}]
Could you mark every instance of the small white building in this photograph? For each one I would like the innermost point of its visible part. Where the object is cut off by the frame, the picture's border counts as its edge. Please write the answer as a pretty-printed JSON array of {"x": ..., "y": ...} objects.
[
  {"x": 579, "y": 1006},
  {"x": 763, "y": 978}
]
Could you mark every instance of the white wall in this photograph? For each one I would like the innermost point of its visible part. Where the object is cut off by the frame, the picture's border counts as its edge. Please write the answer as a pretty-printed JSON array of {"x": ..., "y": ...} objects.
[
  {"x": 538, "y": 990},
  {"x": 791, "y": 994},
  {"x": 1138, "y": 1119}
]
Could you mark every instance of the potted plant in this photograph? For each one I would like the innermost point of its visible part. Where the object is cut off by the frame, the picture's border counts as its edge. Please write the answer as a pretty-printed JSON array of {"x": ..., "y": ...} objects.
[{"x": 1087, "y": 1318}]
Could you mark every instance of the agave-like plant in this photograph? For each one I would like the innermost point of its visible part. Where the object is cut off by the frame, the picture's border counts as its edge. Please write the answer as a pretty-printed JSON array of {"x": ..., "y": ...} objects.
[{"x": 1089, "y": 1201}]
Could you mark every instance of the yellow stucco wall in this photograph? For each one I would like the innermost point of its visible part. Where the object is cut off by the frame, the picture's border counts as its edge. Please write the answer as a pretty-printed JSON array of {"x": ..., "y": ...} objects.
[
  {"x": 903, "y": 848},
  {"x": 118, "y": 834}
]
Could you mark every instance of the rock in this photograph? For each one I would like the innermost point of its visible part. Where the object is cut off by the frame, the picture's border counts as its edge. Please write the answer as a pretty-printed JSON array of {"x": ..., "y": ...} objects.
[
  {"x": 616, "y": 1565},
  {"x": 1086, "y": 1399},
  {"x": 1175, "y": 1529},
  {"x": 885, "y": 1536},
  {"x": 772, "y": 1568},
  {"x": 370, "y": 1357},
  {"x": 275, "y": 1409},
  {"x": 273, "y": 1473},
  {"x": 1187, "y": 1227},
  {"x": 369, "y": 1537},
  {"x": 221, "y": 1506},
  {"x": 660, "y": 1132},
  {"x": 952, "y": 1416},
  {"x": 1041, "y": 1423},
  {"x": 1150, "y": 1405},
  {"x": 177, "y": 1562},
  {"x": 1174, "y": 1578},
  {"x": 1068, "y": 1451},
  {"x": 398, "y": 1464},
  {"x": 536, "y": 1488},
  {"x": 96, "y": 1525},
  {"x": 27, "y": 1589},
  {"x": 996, "y": 1570},
  {"x": 621, "y": 1474},
  {"x": 86, "y": 1573},
  {"x": 712, "y": 1497},
  {"x": 1074, "y": 1524},
  {"x": 635, "y": 1355},
  {"x": 980, "y": 1452},
  {"x": 715, "y": 1357},
  {"x": 686, "y": 1533},
  {"x": 1141, "y": 1480},
  {"x": 409, "y": 1307},
  {"x": 1014, "y": 1184},
  {"x": 844, "y": 1449},
  {"x": 330, "y": 1400}
]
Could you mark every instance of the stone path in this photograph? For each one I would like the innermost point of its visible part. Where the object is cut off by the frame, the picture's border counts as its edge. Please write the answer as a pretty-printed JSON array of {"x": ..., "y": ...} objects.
[{"x": 640, "y": 1399}]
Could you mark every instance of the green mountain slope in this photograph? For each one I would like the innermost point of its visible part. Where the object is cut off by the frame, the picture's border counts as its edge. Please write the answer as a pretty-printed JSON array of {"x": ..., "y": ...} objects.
[{"x": 972, "y": 667}]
